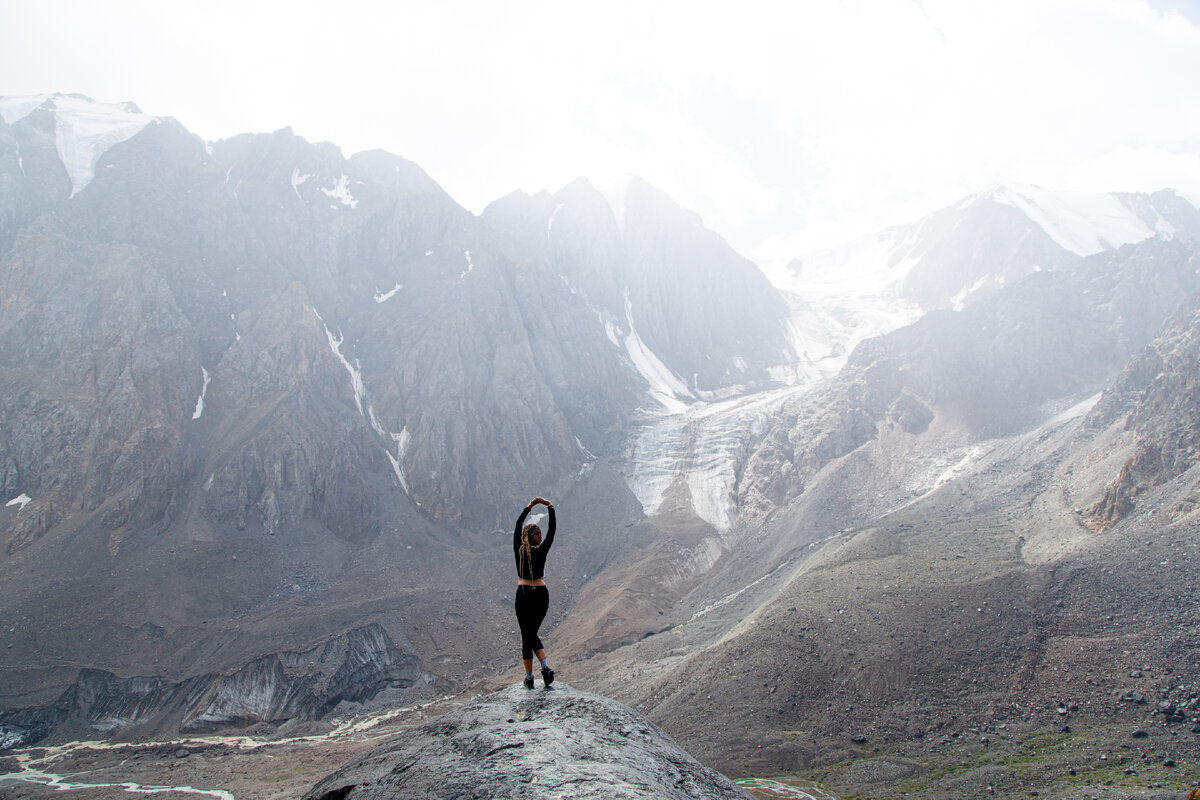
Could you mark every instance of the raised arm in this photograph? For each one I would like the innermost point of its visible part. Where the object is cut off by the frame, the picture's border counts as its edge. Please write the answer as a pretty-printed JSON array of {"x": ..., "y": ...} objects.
[
  {"x": 549, "y": 529},
  {"x": 519, "y": 525}
]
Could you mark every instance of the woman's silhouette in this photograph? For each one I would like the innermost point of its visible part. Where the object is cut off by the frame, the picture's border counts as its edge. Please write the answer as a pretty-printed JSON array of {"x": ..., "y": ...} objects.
[{"x": 533, "y": 598}]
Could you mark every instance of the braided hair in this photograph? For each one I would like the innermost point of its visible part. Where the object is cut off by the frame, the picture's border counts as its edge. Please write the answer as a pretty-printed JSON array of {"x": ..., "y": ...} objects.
[{"x": 527, "y": 546}]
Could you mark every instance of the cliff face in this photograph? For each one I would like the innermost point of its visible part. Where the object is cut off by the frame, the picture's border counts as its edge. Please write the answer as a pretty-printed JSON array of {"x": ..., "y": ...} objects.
[
  {"x": 267, "y": 276},
  {"x": 1158, "y": 394},
  {"x": 562, "y": 743},
  {"x": 351, "y": 668},
  {"x": 255, "y": 394}
]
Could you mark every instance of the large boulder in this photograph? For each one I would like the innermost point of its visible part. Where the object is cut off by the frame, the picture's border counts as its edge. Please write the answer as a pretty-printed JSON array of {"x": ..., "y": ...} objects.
[{"x": 530, "y": 744}]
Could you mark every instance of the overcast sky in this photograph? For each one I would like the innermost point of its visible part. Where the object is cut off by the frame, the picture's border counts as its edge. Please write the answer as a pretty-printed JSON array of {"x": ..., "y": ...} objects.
[{"x": 807, "y": 120}]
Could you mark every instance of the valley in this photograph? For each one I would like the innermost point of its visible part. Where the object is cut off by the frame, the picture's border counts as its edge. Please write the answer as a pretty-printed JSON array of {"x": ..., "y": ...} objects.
[{"x": 915, "y": 517}]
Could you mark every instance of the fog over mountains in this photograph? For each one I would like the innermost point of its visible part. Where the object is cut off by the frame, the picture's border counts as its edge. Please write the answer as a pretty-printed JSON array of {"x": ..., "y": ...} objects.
[{"x": 267, "y": 414}]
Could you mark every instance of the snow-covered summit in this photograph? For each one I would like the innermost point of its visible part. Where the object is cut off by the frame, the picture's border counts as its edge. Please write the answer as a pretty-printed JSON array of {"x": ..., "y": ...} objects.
[
  {"x": 870, "y": 286},
  {"x": 83, "y": 129},
  {"x": 1084, "y": 223},
  {"x": 1081, "y": 223}
]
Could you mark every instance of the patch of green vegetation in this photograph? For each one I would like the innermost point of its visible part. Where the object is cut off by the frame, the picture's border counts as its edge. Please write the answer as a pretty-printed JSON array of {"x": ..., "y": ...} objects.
[{"x": 1043, "y": 759}]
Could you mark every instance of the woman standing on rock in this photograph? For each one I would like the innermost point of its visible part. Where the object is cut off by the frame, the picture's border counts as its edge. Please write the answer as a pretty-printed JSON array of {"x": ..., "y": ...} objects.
[{"x": 533, "y": 598}]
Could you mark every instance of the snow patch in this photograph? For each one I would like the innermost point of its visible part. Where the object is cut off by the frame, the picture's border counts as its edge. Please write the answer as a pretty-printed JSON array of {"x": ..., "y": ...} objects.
[
  {"x": 613, "y": 333},
  {"x": 959, "y": 301},
  {"x": 1081, "y": 222},
  {"x": 550, "y": 223},
  {"x": 20, "y": 501},
  {"x": 355, "y": 369},
  {"x": 665, "y": 386},
  {"x": 399, "y": 440},
  {"x": 341, "y": 192},
  {"x": 470, "y": 265},
  {"x": 203, "y": 391},
  {"x": 84, "y": 130},
  {"x": 299, "y": 179},
  {"x": 381, "y": 297}
]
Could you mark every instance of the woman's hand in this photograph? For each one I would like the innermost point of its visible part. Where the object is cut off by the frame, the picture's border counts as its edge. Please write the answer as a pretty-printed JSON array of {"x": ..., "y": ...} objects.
[{"x": 537, "y": 500}]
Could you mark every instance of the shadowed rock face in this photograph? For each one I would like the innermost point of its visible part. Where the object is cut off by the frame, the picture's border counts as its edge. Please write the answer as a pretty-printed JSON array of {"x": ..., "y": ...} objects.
[
  {"x": 255, "y": 394},
  {"x": 353, "y": 667},
  {"x": 530, "y": 744}
]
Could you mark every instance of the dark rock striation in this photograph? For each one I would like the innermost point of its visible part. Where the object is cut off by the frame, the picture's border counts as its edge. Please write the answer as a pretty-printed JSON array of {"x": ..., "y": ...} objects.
[{"x": 518, "y": 743}]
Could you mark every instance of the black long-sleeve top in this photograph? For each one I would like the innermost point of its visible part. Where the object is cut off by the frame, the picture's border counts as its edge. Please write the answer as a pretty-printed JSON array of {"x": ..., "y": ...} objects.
[{"x": 535, "y": 565}]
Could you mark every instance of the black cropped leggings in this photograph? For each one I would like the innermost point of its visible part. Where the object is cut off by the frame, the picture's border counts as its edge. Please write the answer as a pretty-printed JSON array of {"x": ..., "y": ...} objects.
[{"x": 531, "y": 604}]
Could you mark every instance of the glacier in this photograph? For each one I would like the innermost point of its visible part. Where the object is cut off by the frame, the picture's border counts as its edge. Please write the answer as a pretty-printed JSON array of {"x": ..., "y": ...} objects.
[{"x": 84, "y": 130}]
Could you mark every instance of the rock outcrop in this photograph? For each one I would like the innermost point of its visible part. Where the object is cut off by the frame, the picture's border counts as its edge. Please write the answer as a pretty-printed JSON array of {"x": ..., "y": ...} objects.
[
  {"x": 1158, "y": 394},
  {"x": 530, "y": 744},
  {"x": 349, "y": 668}
]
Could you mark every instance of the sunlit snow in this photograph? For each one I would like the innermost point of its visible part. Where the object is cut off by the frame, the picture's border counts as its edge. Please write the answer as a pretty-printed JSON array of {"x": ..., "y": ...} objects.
[
  {"x": 1084, "y": 223},
  {"x": 381, "y": 297},
  {"x": 665, "y": 386},
  {"x": 19, "y": 501},
  {"x": 84, "y": 130},
  {"x": 355, "y": 370},
  {"x": 341, "y": 192},
  {"x": 470, "y": 265},
  {"x": 203, "y": 391},
  {"x": 399, "y": 440},
  {"x": 841, "y": 296}
]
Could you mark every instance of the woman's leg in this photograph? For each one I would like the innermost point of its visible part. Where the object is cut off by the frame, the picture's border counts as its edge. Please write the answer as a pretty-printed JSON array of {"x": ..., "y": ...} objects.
[
  {"x": 543, "y": 605},
  {"x": 530, "y": 613}
]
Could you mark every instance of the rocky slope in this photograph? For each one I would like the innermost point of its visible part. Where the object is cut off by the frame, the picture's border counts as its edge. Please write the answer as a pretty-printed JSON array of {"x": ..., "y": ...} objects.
[
  {"x": 1158, "y": 394},
  {"x": 264, "y": 411},
  {"x": 255, "y": 395},
  {"x": 516, "y": 743},
  {"x": 970, "y": 630}
]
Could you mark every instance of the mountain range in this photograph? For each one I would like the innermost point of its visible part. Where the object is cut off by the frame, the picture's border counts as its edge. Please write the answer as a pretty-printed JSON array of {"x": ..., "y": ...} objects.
[{"x": 267, "y": 412}]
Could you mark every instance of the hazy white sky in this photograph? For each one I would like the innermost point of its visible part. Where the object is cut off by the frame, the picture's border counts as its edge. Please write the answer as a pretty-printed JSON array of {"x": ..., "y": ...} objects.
[{"x": 811, "y": 120}]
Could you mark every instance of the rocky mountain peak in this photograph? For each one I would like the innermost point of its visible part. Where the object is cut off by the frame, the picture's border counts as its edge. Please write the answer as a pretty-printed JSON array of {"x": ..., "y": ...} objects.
[{"x": 563, "y": 743}]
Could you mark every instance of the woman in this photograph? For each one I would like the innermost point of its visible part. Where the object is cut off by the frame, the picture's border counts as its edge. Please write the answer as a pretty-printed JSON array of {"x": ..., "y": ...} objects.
[{"x": 533, "y": 598}]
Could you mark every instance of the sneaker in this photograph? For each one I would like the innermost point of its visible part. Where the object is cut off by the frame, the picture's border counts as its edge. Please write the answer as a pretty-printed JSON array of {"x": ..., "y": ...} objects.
[
  {"x": 528, "y": 681},
  {"x": 547, "y": 677}
]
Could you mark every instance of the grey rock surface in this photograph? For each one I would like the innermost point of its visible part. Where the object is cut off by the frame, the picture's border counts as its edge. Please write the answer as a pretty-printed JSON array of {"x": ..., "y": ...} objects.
[{"x": 518, "y": 743}]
